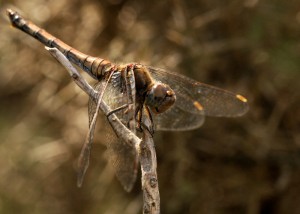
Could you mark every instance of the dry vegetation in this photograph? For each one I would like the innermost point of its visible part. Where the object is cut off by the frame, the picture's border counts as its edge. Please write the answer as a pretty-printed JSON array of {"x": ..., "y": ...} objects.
[{"x": 241, "y": 165}]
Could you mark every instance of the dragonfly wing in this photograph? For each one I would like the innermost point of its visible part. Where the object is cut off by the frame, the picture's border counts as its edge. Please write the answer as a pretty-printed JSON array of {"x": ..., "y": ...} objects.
[
  {"x": 122, "y": 156},
  {"x": 212, "y": 100},
  {"x": 124, "y": 160},
  {"x": 177, "y": 118}
]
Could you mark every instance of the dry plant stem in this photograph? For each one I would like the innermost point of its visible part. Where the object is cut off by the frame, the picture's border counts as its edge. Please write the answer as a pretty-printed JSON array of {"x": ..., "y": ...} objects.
[
  {"x": 148, "y": 162},
  {"x": 145, "y": 148},
  {"x": 149, "y": 175}
]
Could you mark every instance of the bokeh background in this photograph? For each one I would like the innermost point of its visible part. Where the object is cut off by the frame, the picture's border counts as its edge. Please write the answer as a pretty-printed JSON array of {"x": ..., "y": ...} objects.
[{"x": 240, "y": 165}]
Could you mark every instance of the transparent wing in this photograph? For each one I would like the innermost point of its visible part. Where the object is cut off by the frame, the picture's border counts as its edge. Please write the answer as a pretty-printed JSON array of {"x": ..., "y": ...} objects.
[
  {"x": 177, "y": 118},
  {"x": 122, "y": 156},
  {"x": 193, "y": 96}
]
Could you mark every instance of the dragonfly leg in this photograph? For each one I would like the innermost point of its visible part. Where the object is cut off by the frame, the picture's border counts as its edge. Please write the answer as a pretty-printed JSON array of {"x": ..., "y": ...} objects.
[
  {"x": 138, "y": 117},
  {"x": 129, "y": 124},
  {"x": 145, "y": 120},
  {"x": 117, "y": 109}
]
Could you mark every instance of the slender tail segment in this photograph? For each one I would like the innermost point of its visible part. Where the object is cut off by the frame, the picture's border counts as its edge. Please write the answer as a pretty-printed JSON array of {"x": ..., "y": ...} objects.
[{"x": 94, "y": 66}]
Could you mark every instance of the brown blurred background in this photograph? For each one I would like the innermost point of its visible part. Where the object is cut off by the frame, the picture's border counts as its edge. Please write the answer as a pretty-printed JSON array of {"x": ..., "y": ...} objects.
[{"x": 230, "y": 165}]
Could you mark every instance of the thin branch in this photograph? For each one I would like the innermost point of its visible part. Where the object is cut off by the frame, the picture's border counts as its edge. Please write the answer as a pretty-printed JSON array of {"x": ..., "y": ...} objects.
[{"x": 148, "y": 162}]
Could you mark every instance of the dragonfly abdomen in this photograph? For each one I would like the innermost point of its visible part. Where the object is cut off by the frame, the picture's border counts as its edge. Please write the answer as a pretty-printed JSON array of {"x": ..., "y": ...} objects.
[{"x": 96, "y": 67}]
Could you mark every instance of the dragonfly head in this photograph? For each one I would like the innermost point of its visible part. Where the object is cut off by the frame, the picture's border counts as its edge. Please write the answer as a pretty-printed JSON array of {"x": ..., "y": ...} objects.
[{"x": 160, "y": 98}]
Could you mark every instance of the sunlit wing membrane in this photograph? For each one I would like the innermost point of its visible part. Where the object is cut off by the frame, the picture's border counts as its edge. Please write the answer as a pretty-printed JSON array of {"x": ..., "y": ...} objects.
[
  {"x": 177, "y": 118},
  {"x": 214, "y": 101}
]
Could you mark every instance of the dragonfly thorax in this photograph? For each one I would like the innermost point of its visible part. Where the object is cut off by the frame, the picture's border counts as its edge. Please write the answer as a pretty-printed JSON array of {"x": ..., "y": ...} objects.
[{"x": 160, "y": 97}]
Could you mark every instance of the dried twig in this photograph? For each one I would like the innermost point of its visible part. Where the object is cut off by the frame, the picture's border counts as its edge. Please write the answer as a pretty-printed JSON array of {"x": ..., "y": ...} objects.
[
  {"x": 145, "y": 148},
  {"x": 148, "y": 167}
]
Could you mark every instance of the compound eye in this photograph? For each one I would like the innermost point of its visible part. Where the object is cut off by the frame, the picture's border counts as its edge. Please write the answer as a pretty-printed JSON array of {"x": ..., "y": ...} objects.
[
  {"x": 159, "y": 92},
  {"x": 160, "y": 98}
]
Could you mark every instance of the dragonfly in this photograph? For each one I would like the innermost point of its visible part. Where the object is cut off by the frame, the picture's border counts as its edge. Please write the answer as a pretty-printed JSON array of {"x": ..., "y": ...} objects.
[{"x": 174, "y": 102}]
